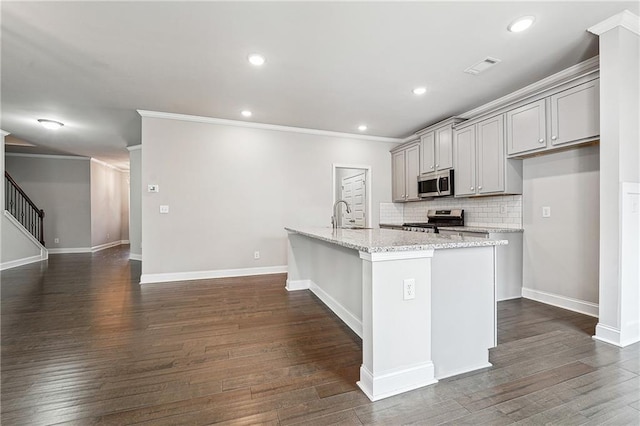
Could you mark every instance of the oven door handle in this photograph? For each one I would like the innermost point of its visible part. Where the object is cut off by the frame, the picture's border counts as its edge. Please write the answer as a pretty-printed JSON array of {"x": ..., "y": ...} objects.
[{"x": 438, "y": 185}]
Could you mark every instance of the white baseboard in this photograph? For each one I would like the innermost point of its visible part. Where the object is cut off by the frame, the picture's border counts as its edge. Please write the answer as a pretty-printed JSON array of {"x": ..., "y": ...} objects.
[
  {"x": 295, "y": 285},
  {"x": 343, "y": 313},
  {"x": 385, "y": 385},
  {"x": 134, "y": 256},
  {"x": 70, "y": 250},
  {"x": 575, "y": 305},
  {"x": 202, "y": 275},
  {"x": 25, "y": 261},
  {"x": 125, "y": 242},
  {"x": 613, "y": 336},
  {"x": 75, "y": 250}
]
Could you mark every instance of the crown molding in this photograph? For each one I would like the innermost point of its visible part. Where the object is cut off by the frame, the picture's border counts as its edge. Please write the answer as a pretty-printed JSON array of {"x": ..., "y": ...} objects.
[
  {"x": 50, "y": 156},
  {"x": 3, "y": 133},
  {"x": 624, "y": 19},
  {"x": 578, "y": 70},
  {"x": 262, "y": 126},
  {"x": 134, "y": 147},
  {"x": 108, "y": 165}
]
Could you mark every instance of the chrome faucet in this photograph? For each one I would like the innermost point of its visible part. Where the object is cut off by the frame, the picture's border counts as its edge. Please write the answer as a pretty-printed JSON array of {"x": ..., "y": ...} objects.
[{"x": 334, "y": 218}]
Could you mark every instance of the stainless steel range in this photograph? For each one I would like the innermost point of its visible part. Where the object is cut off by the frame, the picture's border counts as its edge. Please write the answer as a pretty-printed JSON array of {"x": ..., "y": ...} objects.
[{"x": 435, "y": 218}]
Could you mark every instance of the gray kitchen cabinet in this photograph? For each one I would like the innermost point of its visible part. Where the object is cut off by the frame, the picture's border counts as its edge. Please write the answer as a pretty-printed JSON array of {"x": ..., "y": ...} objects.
[
  {"x": 526, "y": 128},
  {"x": 575, "y": 114},
  {"x": 405, "y": 164},
  {"x": 480, "y": 163},
  {"x": 569, "y": 116},
  {"x": 436, "y": 146}
]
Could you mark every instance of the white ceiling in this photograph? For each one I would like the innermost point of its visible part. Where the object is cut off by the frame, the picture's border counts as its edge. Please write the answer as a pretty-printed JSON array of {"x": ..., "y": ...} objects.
[{"x": 330, "y": 66}]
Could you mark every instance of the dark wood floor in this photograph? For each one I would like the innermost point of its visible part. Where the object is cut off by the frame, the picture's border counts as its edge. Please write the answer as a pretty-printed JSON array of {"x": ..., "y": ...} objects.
[{"x": 83, "y": 343}]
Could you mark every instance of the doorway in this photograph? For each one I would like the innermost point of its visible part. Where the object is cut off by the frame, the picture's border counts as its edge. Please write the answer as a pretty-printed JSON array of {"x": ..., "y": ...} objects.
[{"x": 352, "y": 183}]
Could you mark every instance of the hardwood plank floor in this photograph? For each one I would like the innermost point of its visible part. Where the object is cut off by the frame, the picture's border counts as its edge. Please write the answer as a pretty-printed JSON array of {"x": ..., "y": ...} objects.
[{"x": 83, "y": 343}]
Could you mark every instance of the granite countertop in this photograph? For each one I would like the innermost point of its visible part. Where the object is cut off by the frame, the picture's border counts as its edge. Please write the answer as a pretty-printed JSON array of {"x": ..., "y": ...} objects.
[{"x": 390, "y": 240}]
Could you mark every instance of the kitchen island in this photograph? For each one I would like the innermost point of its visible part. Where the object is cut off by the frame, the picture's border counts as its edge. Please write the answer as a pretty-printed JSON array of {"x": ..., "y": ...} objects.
[{"x": 423, "y": 304}]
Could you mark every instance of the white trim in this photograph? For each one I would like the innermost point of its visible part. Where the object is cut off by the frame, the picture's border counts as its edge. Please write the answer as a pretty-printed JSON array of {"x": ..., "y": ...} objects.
[
  {"x": 102, "y": 163},
  {"x": 395, "y": 255},
  {"x": 564, "y": 302},
  {"x": 70, "y": 250},
  {"x": 547, "y": 83},
  {"x": 262, "y": 126},
  {"x": 134, "y": 148},
  {"x": 134, "y": 256},
  {"x": 396, "y": 382},
  {"x": 125, "y": 242},
  {"x": 4, "y": 133},
  {"x": 54, "y": 157},
  {"x": 607, "y": 334},
  {"x": 343, "y": 313},
  {"x": 105, "y": 246},
  {"x": 624, "y": 19},
  {"x": 295, "y": 285},
  {"x": 20, "y": 262},
  {"x": 203, "y": 275}
]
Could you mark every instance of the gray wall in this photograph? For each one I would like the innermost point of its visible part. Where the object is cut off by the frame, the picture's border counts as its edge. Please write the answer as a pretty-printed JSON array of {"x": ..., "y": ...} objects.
[
  {"x": 232, "y": 190},
  {"x": 124, "y": 204},
  {"x": 106, "y": 204},
  {"x": 135, "y": 201},
  {"x": 561, "y": 252},
  {"x": 62, "y": 188}
]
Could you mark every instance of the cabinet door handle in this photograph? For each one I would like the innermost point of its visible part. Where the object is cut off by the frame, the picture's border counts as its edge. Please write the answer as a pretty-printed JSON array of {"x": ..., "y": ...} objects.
[
  {"x": 541, "y": 140},
  {"x": 431, "y": 167},
  {"x": 479, "y": 186},
  {"x": 471, "y": 188},
  {"x": 554, "y": 138},
  {"x": 437, "y": 165}
]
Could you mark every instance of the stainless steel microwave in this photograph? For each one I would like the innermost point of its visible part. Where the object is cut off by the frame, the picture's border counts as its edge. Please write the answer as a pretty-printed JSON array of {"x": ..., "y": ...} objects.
[{"x": 439, "y": 184}]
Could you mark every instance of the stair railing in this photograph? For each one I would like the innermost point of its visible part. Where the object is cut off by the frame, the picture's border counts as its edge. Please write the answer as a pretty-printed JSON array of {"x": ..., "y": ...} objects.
[{"x": 23, "y": 209}]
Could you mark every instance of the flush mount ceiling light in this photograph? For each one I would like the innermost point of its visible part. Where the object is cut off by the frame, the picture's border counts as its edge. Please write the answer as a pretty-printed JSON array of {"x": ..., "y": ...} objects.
[
  {"x": 521, "y": 24},
  {"x": 419, "y": 90},
  {"x": 257, "y": 60},
  {"x": 50, "y": 124},
  {"x": 246, "y": 113},
  {"x": 362, "y": 127}
]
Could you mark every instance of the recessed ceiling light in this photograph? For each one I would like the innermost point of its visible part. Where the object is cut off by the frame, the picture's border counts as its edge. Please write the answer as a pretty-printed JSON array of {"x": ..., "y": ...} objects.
[
  {"x": 362, "y": 127},
  {"x": 246, "y": 113},
  {"x": 419, "y": 90},
  {"x": 256, "y": 59},
  {"x": 50, "y": 124},
  {"x": 521, "y": 24}
]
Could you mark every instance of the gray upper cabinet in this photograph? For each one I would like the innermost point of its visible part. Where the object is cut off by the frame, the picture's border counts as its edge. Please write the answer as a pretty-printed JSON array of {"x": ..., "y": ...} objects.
[
  {"x": 436, "y": 146},
  {"x": 569, "y": 116},
  {"x": 575, "y": 114},
  {"x": 480, "y": 162},
  {"x": 526, "y": 128},
  {"x": 405, "y": 165}
]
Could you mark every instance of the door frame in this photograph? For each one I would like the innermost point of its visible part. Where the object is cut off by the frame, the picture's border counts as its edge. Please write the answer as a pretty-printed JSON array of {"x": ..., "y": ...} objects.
[{"x": 367, "y": 192}]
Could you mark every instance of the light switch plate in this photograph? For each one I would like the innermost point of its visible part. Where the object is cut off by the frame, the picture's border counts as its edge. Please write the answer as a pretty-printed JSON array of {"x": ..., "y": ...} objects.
[
  {"x": 546, "y": 211},
  {"x": 164, "y": 209}
]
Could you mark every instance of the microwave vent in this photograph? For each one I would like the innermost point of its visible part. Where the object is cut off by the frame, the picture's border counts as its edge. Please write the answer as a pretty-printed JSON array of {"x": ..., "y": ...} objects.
[{"x": 483, "y": 65}]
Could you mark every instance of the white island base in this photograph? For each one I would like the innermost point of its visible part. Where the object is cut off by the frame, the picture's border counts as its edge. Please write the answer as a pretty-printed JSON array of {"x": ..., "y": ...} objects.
[{"x": 407, "y": 343}]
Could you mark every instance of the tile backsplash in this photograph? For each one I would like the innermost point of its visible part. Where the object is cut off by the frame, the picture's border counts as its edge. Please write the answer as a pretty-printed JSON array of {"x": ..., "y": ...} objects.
[{"x": 504, "y": 211}]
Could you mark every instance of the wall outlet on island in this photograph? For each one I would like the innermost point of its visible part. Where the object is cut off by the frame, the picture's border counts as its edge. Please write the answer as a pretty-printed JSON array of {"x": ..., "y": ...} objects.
[
  {"x": 409, "y": 289},
  {"x": 56, "y": 240},
  {"x": 256, "y": 255}
]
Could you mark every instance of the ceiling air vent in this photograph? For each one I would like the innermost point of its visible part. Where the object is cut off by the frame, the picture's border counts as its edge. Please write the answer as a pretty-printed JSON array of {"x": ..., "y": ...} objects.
[{"x": 481, "y": 66}]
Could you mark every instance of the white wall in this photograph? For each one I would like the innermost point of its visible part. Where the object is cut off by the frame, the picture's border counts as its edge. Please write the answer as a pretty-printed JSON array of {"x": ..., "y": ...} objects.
[
  {"x": 232, "y": 190},
  {"x": 61, "y": 187},
  {"x": 561, "y": 252},
  {"x": 135, "y": 202},
  {"x": 106, "y": 204}
]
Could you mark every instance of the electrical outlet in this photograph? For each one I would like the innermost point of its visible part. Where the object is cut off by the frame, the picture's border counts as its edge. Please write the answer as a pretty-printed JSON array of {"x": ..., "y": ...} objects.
[
  {"x": 546, "y": 211},
  {"x": 56, "y": 240},
  {"x": 409, "y": 286},
  {"x": 164, "y": 209},
  {"x": 256, "y": 255}
]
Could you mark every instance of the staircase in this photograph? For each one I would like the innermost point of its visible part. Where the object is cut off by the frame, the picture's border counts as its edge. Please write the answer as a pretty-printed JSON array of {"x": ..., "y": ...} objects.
[{"x": 23, "y": 209}]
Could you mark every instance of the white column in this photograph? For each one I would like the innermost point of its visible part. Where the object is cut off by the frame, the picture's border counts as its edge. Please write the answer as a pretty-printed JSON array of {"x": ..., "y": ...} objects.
[
  {"x": 619, "y": 318},
  {"x": 396, "y": 333},
  {"x": 2, "y": 136}
]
